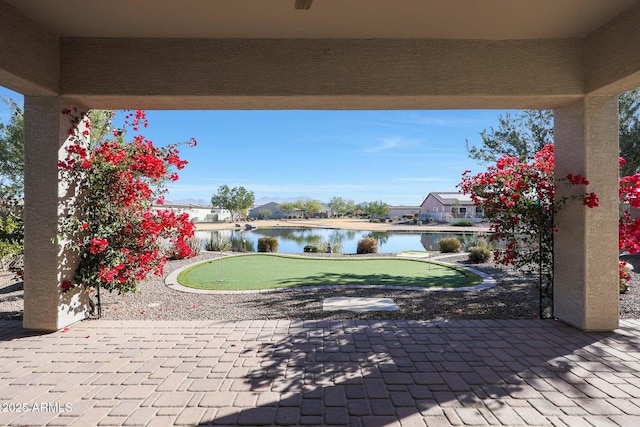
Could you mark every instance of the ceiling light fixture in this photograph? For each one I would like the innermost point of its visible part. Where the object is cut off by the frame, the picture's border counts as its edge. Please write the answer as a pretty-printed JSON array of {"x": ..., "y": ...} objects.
[{"x": 303, "y": 4}]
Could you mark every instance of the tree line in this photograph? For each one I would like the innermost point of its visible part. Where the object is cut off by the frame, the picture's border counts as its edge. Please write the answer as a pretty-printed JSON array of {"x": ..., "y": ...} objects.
[{"x": 238, "y": 201}]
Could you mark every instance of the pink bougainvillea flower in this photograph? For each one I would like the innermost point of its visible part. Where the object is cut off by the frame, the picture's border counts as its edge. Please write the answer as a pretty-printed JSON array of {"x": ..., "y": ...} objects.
[
  {"x": 98, "y": 245},
  {"x": 590, "y": 200}
]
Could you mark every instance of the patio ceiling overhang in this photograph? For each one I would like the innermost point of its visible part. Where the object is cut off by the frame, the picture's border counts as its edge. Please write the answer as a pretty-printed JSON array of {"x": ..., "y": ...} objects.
[{"x": 219, "y": 54}]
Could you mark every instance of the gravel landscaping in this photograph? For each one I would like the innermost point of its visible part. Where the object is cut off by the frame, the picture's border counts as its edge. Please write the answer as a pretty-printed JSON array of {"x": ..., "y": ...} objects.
[{"x": 514, "y": 297}]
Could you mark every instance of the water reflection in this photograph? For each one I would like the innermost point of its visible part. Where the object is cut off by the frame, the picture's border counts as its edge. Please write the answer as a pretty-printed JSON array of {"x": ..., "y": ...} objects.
[
  {"x": 293, "y": 240},
  {"x": 382, "y": 237}
]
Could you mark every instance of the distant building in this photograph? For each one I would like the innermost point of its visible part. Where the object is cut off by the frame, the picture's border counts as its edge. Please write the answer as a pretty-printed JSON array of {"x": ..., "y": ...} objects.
[
  {"x": 199, "y": 213},
  {"x": 449, "y": 206},
  {"x": 219, "y": 215},
  {"x": 400, "y": 211},
  {"x": 273, "y": 209},
  {"x": 325, "y": 213}
]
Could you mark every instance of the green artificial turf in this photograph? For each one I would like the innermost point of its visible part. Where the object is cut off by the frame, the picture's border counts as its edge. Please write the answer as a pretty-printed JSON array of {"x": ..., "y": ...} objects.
[
  {"x": 401, "y": 253},
  {"x": 267, "y": 271}
]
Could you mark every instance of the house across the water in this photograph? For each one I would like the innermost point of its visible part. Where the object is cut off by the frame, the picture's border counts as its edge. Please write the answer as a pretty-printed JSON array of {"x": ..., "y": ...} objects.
[
  {"x": 199, "y": 213},
  {"x": 272, "y": 210},
  {"x": 448, "y": 207}
]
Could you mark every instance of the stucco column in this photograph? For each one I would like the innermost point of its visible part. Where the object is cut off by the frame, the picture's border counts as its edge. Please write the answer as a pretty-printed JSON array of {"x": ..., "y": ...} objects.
[
  {"x": 586, "y": 245},
  {"x": 46, "y": 265}
]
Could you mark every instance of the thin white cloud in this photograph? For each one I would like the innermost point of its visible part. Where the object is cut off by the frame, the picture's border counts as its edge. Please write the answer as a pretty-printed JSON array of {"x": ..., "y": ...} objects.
[
  {"x": 387, "y": 144},
  {"x": 394, "y": 144}
]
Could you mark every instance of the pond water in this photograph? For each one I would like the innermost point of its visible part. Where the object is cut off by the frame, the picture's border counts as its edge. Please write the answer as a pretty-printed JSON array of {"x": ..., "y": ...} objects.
[{"x": 293, "y": 240}]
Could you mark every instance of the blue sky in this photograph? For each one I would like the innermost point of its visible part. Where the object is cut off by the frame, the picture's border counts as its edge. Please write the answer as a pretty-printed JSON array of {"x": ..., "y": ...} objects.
[{"x": 394, "y": 156}]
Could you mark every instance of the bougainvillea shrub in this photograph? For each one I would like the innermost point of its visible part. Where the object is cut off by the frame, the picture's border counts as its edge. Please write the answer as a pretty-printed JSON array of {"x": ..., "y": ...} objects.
[
  {"x": 518, "y": 198},
  {"x": 119, "y": 236}
]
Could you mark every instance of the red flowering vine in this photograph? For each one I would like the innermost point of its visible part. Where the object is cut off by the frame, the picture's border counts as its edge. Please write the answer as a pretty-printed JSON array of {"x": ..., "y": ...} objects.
[
  {"x": 120, "y": 237},
  {"x": 97, "y": 245},
  {"x": 518, "y": 198},
  {"x": 536, "y": 180}
]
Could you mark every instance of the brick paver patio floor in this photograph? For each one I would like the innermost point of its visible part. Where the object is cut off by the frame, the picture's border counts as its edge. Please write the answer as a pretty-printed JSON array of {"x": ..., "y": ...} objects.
[{"x": 355, "y": 373}]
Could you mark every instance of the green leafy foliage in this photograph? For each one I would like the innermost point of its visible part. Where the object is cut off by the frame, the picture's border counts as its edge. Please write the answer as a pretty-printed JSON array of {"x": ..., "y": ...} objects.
[
  {"x": 311, "y": 207},
  {"x": 217, "y": 244},
  {"x": 480, "y": 250},
  {"x": 521, "y": 136},
  {"x": 12, "y": 189},
  {"x": 377, "y": 209},
  {"x": 341, "y": 207},
  {"x": 331, "y": 247},
  {"x": 478, "y": 241},
  {"x": 463, "y": 223},
  {"x": 237, "y": 200},
  {"x": 629, "y": 131},
  {"x": 288, "y": 208},
  {"x": 449, "y": 245},
  {"x": 11, "y": 235},
  {"x": 267, "y": 244},
  {"x": 12, "y": 153},
  {"x": 479, "y": 254},
  {"x": 240, "y": 244},
  {"x": 324, "y": 247}
]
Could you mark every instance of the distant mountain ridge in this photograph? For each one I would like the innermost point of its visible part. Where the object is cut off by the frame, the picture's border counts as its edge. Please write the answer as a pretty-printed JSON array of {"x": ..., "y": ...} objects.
[
  {"x": 264, "y": 200},
  {"x": 200, "y": 202},
  {"x": 258, "y": 202}
]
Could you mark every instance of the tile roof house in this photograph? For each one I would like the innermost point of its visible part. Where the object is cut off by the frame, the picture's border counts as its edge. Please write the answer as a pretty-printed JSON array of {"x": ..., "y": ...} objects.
[
  {"x": 449, "y": 206},
  {"x": 272, "y": 207}
]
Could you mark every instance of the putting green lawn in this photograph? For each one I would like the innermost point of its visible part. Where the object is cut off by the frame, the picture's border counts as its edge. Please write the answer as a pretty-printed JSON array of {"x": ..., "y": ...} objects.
[{"x": 268, "y": 271}]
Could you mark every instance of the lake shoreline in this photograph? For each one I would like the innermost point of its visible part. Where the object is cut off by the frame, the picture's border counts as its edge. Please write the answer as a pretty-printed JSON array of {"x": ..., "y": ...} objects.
[
  {"x": 294, "y": 236},
  {"x": 344, "y": 224}
]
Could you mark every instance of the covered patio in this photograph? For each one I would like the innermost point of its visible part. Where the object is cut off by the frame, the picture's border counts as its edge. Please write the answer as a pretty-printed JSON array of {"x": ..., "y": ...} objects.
[{"x": 573, "y": 56}]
